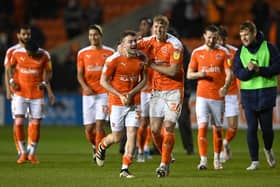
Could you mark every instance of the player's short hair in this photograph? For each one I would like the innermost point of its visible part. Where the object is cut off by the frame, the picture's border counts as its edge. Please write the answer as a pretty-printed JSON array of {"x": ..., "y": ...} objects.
[
  {"x": 31, "y": 45},
  {"x": 162, "y": 20},
  {"x": 96, "y": 27},
  {"x": 23, "y": 27},
  {"x": 211, "y": 28},
  {"x": 127, "y": 33},
  {"x": 248, "y": 25},
  {"x": 222, "y": 31},
  {"x": 146, "y": 19}
]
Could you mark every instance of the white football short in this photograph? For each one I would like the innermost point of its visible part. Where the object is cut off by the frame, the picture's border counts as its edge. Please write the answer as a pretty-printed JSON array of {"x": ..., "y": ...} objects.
[
  {"x": 209, "y": 109},
  {"x": 35, "y": 108},
  {"x": 231, "y": 105},
  {"x": 124, "y": 116},
  {"x": 145, "y": 103},
  {"x": 166, "y": 105},
  {"x": 95, "y": 107}
]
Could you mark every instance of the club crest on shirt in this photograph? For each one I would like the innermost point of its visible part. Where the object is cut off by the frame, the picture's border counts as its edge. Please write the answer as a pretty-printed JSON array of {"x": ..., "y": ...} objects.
[
  {"x": 176, "y": 55},
  {"x": 218, "y": 56}
]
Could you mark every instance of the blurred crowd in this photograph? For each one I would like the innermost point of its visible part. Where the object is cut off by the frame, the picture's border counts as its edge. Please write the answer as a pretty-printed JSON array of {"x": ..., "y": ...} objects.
[{"x": 188, "y": 17}]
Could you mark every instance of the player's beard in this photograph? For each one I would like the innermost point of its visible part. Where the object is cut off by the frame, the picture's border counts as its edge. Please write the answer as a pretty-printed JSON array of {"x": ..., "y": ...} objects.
[
  {"x": 211, "y": 45},
  {"x": 22, "y": 40}
]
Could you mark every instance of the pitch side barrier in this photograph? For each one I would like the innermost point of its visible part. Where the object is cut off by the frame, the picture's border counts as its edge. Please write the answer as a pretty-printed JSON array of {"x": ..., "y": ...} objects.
[
  {"x": 242, "y": 119},
  {"x": 68, "y": 111}
]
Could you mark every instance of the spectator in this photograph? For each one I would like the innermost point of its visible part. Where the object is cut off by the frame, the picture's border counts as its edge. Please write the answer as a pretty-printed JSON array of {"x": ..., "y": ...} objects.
[
  {"x": 215, "y": 11},
  {"x": 187, "y": 17},
  {"x": 260, "y": 12},
  {"x": 94, "y": 13},
  {"x": 69, "y": 68},
  {"x": 73, "y": 19},
  {"x": 37, "y": 34}
]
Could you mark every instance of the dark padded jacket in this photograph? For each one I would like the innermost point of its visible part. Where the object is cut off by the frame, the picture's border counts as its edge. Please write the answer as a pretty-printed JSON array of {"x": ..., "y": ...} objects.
[{"x": 258, "y": 99}]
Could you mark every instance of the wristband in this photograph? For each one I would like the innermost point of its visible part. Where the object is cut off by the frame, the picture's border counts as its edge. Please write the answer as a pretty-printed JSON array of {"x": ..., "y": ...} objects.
[{"x": 11, "y": 81}]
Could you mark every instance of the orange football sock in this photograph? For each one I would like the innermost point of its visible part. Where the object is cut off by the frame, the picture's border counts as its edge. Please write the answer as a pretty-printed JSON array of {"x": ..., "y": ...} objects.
[
  {"x": 15, "y": 139},
  {"x": 158, "y": 139},
  {"x": 126, "y": 160},
  {"x": 167, "y": 147},
  {"x": 90, "y": 136},
  {"x": 148, "y": 137},
  {"x": 98, "y": 138},
  {"x": 20, "y": 137},
  {"x": 202, "y": 141},
  {"x": 217, "y": 139},
  {"x": 34, "y": 132},
  {"x": 34, "y": 136},
  {"x": 141, "y": 136},
  {"x": 19, "y": 131},
  {"x": 230, "y": 134}
]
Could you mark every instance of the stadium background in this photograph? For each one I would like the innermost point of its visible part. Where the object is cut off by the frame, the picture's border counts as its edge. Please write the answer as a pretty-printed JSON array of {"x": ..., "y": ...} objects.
[{"x": 117, "y": 16}]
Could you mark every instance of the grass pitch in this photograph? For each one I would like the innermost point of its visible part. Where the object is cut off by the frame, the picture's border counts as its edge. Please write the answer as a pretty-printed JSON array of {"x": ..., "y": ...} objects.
[{"x": 65, "y": 160}]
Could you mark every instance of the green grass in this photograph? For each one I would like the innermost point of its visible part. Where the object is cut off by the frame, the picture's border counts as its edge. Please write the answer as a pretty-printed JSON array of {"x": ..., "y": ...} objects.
[{"x": 65, "y": 160}]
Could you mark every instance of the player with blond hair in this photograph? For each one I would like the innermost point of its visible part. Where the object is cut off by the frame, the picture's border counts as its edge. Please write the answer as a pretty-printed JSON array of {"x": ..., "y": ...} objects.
[{"x": 166, "y": 54}]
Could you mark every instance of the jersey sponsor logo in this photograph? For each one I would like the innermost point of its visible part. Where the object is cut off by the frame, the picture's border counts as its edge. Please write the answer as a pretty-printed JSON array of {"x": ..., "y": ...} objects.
[
  {"x": 176, "y": 55},
  {"x": 201, "y": 56},
  {"x": 28, "y": 71},
  {"x": 88, "y": 56},
  {"x": 212, "y": 69},
  {"x": 123, "y": 63},
  {"x": 94, "y": 68},
  {"x": 160, "y": 62},
  {"x": 129, "y": 78},
  {"x": 38, "y": 62}
]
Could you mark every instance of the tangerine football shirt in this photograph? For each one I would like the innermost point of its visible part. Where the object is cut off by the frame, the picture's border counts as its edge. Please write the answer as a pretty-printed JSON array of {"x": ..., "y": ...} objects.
[
  {"x": 30, "y": 72},
  {"x": 92, "y": 62},
  {"x": 213, "y": 62},
  {"x": 164, "y": 54},
  {"x": 125, "y": 74}
]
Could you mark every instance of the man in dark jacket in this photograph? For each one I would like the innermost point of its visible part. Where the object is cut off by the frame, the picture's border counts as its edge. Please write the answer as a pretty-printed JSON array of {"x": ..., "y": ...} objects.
[{"x": 256, "y": 65}]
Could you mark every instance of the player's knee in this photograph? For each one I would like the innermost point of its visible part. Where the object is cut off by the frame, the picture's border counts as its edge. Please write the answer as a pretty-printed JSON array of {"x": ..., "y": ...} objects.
[
  {"x": 35, "y": 121},
  {"x": 19, "y": 121},
  {"x": 169, "y": 129},
  {"x": 117, "y": 138},
  {"x": 88, "y": 129}
]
